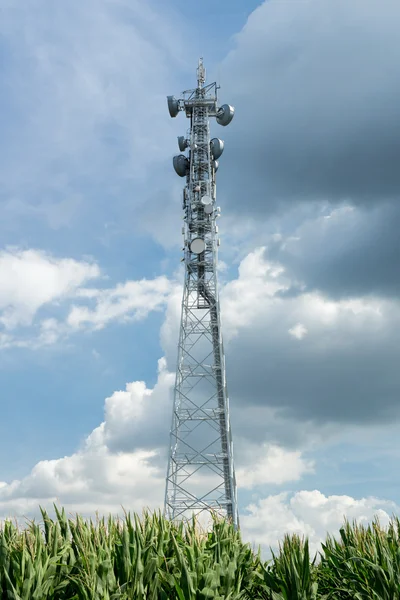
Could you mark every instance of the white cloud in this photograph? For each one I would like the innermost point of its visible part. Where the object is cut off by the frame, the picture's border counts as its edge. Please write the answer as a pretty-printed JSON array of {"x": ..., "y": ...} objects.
[
  {"x": 97, "y": 478},
  {"x": 123, "y": 460},
  {"x": 308, "y": 513},
  {"x": 244, "y": 297},
  {"x": 113, "y": 467},
  {"x": 132, "y": 300},
  {"x": 268, "y": 463},
  {"x": 298, "y": 331},
  {"x": 137, "y": 417},
  {"x": 32, "y": 282},
  {"x": 258, "y": 295},
  {"x": 265, "y": 369},
  {"x": 86, "y": 483},
  {"x": 254, "y": 305},
  {"x": 30, "y": 279}
]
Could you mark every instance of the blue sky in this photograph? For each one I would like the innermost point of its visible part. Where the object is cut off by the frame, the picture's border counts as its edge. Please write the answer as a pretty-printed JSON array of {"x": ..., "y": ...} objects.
[
  {"x": 93, "y": 216},
  {"x": 90, "y": 252}
]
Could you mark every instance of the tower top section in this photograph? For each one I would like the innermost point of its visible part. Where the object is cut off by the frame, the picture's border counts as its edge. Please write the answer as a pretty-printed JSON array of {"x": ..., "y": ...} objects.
[
  {"x": 204, "y": 96},
  {"x": 201, "y": 74}
]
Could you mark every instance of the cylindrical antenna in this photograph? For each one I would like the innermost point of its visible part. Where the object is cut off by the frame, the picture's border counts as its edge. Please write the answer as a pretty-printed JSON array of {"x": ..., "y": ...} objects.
[{"x": 201, "y": 74}]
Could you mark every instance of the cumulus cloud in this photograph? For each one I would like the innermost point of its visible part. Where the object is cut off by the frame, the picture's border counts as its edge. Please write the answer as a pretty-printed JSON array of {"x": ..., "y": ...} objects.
[
  {"x": 244, "y": 297},
  {"x": 298, "y": 331},
  {"x": 115, "y": 466},
  {"x": 268, "y": 463},
  {"x": 342, "y": 371},
  {"x": 132, "y": 300},
  {"x": 33, "y": 282},
  {"x": 86, "y": 483},
  {"x": 347, "y": 348},
  {"x": 123, "y": 460},
  {"x": 137, "y": 417},
  {"x": 111, "y": 471},
  {"x": 30, "y": 279},
  {"x": 308, "y": 513},
  {"x": 345, "y": 251}
]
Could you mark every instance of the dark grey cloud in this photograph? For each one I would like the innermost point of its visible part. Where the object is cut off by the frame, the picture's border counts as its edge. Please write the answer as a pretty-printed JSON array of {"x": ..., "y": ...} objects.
[
  {"x": 343, "y": 375},
  {"x": 316, "y": 131},
  {"x": 348, "y": 254},
  {"x": 317, "y": 95}
]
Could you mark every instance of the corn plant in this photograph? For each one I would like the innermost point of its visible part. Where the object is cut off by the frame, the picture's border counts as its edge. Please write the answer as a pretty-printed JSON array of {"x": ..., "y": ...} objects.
[
  {"x": 217, "y": 566},
  {"x": 150, "y": 558},
  {"x": 290, "y": 576},
  {"x": 30, "y": 569},
  {"x": 145, "y": 558},
  {"x": 364, "y": 563}
]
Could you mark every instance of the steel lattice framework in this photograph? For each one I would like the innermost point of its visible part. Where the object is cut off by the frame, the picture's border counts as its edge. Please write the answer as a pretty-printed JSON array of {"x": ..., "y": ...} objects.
[{"x": 201, "y": 475}]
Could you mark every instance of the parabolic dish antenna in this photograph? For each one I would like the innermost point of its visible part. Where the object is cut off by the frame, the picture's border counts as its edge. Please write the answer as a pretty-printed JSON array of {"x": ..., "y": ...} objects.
[
  {"x": 173, "y": 106},
  {"x": 197, "y": 246},
  {"x": 183, "y": 143},
  {"x": 181, "y": 165},
  {"x": 217, "y": 147},
  {"x": 206, "y": 200},
  {"x": 225, "y": 114},
  {"x": 208, "y": 209}
]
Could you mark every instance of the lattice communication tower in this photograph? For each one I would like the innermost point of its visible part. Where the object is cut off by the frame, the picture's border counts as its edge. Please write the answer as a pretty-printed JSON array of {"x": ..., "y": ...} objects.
[{"x": 201, "y": 474}]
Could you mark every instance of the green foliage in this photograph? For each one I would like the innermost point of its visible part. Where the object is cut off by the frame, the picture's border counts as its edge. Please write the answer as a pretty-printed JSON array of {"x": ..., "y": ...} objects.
[
  {"x": 147, "y": 559},
  {"x": 291, "y": 576},
  {"x": 363, "y": 564},
  {"x": 150, "y": 558}
]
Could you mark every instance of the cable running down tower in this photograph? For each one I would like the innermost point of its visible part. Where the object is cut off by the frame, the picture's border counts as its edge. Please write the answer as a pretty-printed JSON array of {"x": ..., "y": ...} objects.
[{"x": 201, "y": 475}]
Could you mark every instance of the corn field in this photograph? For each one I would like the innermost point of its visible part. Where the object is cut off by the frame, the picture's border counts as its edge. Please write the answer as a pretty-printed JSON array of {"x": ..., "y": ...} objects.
[{"x": 149, "y": 558}]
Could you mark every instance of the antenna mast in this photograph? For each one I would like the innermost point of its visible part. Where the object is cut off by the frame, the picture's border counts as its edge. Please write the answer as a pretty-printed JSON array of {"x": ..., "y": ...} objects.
[
  {"x": 201, "y": 74},
  {"x": 201, "y": 474}
]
